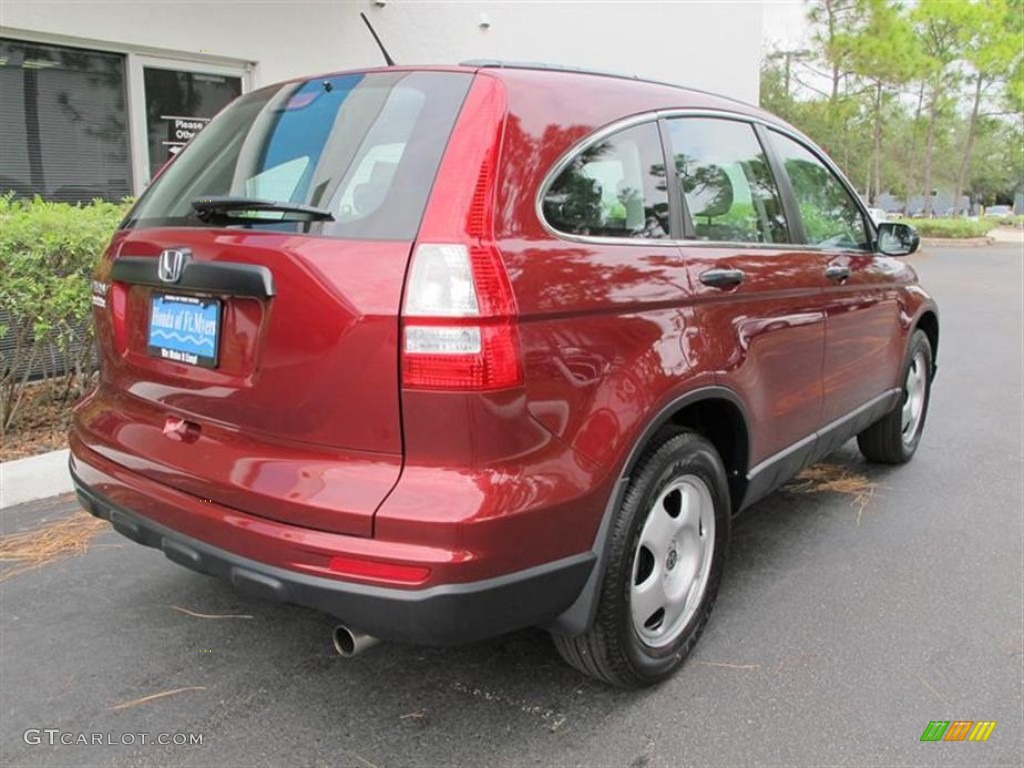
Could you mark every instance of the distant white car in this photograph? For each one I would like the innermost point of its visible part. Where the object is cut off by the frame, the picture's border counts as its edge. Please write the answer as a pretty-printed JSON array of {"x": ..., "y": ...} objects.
[
  {"x": 998, "y": 211},
  {"x": 878, "y": 215}
]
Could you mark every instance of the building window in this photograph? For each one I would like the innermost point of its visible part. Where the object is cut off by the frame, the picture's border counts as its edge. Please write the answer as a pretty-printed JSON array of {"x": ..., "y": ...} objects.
[
  {"x": 65, "y": 123},
  {"x": 178, "y": 105}
]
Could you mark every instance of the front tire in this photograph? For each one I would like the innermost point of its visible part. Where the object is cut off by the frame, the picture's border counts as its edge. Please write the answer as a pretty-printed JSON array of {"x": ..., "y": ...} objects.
[
  {"x": 894, "y": 438},
  {"x": 666, "y": 553}
]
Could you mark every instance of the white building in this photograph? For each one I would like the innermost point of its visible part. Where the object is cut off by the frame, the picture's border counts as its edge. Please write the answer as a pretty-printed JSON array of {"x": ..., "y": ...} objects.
[{"x": 94, "y": 96}]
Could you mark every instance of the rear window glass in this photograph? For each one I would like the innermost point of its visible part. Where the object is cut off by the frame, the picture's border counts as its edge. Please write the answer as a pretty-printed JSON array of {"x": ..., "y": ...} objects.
[
  {"x": 613, "y": 188},
  {"x": 364, "y": 146}
]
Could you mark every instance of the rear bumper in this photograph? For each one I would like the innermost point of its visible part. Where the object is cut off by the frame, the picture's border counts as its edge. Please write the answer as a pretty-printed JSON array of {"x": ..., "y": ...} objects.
[{"x": 445, "y": 614}]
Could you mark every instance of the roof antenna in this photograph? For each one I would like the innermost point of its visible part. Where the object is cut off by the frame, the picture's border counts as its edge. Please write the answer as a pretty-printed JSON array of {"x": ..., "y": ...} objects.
[{"x": 369, "y": 26}]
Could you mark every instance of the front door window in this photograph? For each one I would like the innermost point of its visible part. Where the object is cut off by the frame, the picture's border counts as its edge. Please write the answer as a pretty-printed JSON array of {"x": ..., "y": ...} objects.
[{"x": 831, "y": 217}]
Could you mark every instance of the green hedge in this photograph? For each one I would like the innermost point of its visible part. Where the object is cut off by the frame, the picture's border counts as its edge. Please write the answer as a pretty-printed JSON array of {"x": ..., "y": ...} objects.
[
  {"x": 953, "y": 228},
  {"x": 47, "y": 254}
]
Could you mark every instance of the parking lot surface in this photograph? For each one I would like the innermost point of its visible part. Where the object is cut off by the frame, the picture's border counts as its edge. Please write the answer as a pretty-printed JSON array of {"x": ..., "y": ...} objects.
[{"x": 858, "y": 605}]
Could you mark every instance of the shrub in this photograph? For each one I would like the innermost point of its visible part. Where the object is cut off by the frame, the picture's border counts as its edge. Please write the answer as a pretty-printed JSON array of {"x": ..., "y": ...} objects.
[
  {"x": 47, "y": 253},
  {"x": 953, "y": 228}
]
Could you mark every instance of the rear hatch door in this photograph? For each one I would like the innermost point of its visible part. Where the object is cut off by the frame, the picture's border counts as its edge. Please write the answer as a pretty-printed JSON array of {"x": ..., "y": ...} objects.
[{"x": 251, "y": 349}]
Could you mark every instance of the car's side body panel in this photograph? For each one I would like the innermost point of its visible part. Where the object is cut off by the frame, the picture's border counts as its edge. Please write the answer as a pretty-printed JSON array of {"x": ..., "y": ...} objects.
[{"x": 865, "y": 341}]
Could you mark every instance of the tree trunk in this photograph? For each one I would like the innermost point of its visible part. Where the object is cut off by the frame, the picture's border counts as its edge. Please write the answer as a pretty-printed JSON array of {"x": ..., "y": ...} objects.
[
  {"x": 831, "y": 40},
  {"x": 929, "y": 149},
  {"x": 965, "y": 161},
  {"x": 911, "y": 160},
  {"x": 846, "y": 150},
  {"x": 877, "y": 186}
]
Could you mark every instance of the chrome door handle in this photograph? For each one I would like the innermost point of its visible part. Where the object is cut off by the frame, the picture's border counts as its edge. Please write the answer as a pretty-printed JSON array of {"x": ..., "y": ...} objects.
[
  {"x": 837, "y": 272},
  {"x": 722, "y": 278}
]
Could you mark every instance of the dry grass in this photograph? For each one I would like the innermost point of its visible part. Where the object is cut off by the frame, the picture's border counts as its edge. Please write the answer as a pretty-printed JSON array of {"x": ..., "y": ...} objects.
[
  {"x": 155, "y": 696},
  {"x": 26, "y": 551},
  {"x": 830, "y": 478},
  {"x": 195, "y": 615}
]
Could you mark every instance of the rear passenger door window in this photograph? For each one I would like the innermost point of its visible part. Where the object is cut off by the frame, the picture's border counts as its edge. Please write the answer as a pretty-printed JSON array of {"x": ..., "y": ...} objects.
[
  {"x": 830, "y": 215},
  {"x": 615, "y": 187},
  {"x": 726, "y": 182}
]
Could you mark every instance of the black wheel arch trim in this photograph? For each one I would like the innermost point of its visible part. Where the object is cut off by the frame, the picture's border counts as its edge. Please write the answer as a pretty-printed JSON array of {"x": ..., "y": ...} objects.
[
  {"x": 580, "y": 615},
  {"x": 928, "y": 309}
]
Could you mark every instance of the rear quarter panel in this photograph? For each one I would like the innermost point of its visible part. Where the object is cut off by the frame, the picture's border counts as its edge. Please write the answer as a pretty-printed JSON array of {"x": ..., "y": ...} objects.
[{"x": 608, "y": 334}]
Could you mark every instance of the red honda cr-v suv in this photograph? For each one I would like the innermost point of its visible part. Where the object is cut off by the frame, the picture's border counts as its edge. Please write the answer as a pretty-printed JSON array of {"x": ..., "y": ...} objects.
[{"x": 446, "y": 352}]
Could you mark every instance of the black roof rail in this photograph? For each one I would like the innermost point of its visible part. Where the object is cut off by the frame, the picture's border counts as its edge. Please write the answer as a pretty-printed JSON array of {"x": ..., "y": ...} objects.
[
  {"x": 500, "y": 64},
  {"x": 545, "y": 66}
]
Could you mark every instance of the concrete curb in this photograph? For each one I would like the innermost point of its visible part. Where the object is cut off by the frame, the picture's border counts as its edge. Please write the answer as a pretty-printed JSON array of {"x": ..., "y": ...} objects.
[{"x": 37, "y": 477}]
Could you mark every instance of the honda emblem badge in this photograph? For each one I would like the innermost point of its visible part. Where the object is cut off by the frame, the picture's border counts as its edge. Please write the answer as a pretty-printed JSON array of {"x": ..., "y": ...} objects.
[{"x": 171, "y": 264}]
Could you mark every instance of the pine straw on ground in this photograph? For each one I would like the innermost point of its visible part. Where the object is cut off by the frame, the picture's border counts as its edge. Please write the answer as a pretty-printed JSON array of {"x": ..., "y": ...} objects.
[
  {"x": 26, "y": 551},
  {"x": 830, "y": 478}
]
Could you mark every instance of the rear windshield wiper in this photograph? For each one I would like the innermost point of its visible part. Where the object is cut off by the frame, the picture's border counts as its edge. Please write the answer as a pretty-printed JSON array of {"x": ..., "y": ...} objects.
[{"x": 248, "y": 210}]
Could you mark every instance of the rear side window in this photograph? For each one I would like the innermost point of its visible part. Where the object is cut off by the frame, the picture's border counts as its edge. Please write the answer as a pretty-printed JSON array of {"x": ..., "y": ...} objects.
[
  {"x": 363, "y": 146},
  {"x": 831, "y": 217},
  {"x": 725, "y": 179},
  {"x": 614, "y": 188}
]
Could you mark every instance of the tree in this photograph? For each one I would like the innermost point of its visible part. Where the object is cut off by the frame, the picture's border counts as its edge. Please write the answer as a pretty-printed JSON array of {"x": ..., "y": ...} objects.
[
  {"x": 833, "y": 19},
  {"x": 885, "y": 92},
  {"x": 943, "y": 29},
  {"x": 993, "y": 53},
  {"x": 883, "y": 50}
]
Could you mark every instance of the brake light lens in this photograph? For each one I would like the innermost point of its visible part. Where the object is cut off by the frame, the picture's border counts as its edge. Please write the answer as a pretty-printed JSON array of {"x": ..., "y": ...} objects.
[{"x": 460, "y": 331}]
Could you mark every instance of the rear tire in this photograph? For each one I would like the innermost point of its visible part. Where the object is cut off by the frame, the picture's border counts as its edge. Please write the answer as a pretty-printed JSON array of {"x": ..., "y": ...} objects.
[
  {"x": 894, "y": 438},
  {"x": 665, "y": 557}
]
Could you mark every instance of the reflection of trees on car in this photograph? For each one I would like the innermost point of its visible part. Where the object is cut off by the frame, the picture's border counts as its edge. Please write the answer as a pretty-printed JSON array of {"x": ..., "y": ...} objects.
[
  {"x": 827, "y": 215},
  {"x": 612, "y": 188}
]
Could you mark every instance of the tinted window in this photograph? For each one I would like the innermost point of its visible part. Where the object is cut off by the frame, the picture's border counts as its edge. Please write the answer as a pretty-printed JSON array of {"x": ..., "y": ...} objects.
[
  {"x": 614, "y": 188},
  {"x": 364, "y": 146},
  {"x": 724, "y": 175},
  {"x": 830, "y": 215},
  {"x": 64, "y": 126}
]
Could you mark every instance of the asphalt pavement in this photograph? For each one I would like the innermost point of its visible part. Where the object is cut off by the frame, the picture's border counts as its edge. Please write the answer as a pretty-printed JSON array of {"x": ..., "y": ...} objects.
[{"x": 845, "y": 623}]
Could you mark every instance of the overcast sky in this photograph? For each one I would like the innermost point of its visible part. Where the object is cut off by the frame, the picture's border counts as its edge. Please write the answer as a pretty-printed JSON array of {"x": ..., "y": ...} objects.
[{"x": 785, "y": 24}]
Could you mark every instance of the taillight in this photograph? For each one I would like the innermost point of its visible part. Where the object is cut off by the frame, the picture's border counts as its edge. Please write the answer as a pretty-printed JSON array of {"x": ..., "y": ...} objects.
[
  {"x": 459, "y": 317},
  {"x": 459, "y": 321}
]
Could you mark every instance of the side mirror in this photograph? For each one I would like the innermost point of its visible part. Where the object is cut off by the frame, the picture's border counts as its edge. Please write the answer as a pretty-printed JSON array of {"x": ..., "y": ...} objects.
[{"x": 895, "y": 239}]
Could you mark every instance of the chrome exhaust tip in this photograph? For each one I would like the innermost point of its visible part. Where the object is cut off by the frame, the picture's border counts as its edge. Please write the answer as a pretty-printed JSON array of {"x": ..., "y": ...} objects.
[{"x": 348, "y": 642}]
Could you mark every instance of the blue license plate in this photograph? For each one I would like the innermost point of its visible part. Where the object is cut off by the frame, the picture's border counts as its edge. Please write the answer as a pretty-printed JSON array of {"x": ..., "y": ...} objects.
[{"x": 184, "y": 329}]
